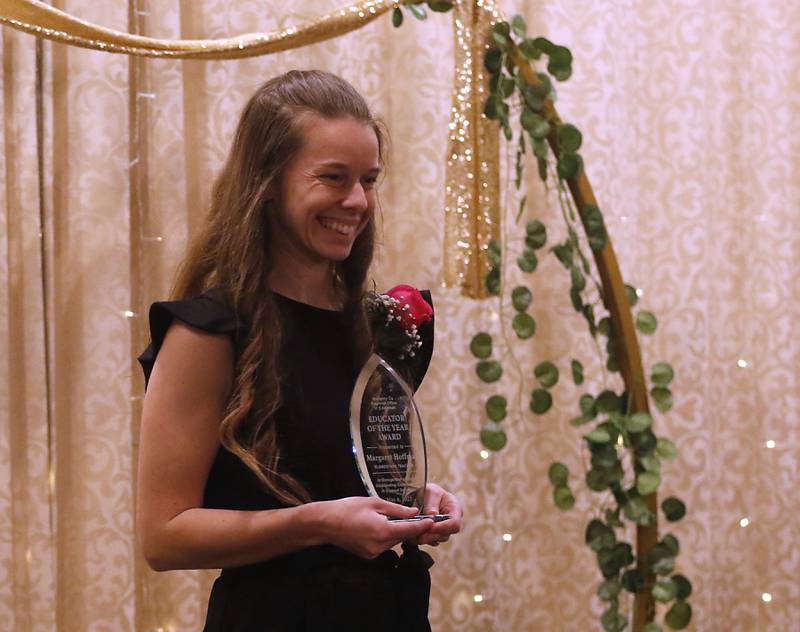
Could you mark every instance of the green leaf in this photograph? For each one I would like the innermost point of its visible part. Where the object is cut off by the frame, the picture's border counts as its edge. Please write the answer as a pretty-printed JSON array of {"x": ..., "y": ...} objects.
[
  {"x": 496, "y": 108},
  {"x": 489, "y": 370},
  {"x": 496, "y": 407},
  {"x": 506, "y": 87},
  {"x": 500, "y": 32},
  {"x": 609, "y": 589},
  {"x": 679, "y": 616},
  {"x": 569, "y": 166},
  {"x": 596, "y": 480},
  {"x": 632, "y": 580},
  {"x": 417, "y": 11},
  {"x": 650, "y": 463},
  {"x": 646, "y": 322},
  {"x": 664, "y": 590},
  {"x": 598, "y": 435},
  {"x": 532, "y": 98},
  {"x": 397, "y": 17},
  {"x": 569, "y": 138},
  {"x": 440, "y": 6},
  {"x": 541, "y": 401},
  {"x": 604, "y": 326},
  {"x": 662, "y": 396},
  {"x": 544, "y": 45},
  {"x": 518, "y": 25},
  {"x": 563, "y": 253},
  {"x": 493, "y": 60},
  {"x": 578, "y": 421},
  {"x": 493, "y": 281},
  {"x": 563, "y": 498},
  {"x": 647, "y": 482},
  {"x": 529, "y": 49},
  {"x": 671, "y": 542},
  {"x": 636, "y": 511},
  {"x": 588, "y": 406},
  {"x": 599, "y": 536},
  {"x": 661, "y": 374},
  {"x": 661, "y": 559},
  {"x": 595, "y": 227},
  {"x": 547, "y": 374},
  {"x": 493, "y": 437},
  {"x": 612, "y": 620},
  {"x": 493, "y": 252},
  {"x": 540, "y": 149},
  {"x": 578, "y": 280},
  {"x": 638, "y": 422},
  {"x": 673, "y": 509},
  {"x": 558, "y": 474},
  {"x": 666, "y": 449},
  {"x": 577, "y": 372},
  {"x": 683, "y": 586},
  {"x": 535, "y": 234},
  {"x": 652, "y": 627},
  {"x": 523, "y": 325},
  {"x": 521, "y": 297},
  {"x": 631, "y": 295},
  {"x": 481, "y": 345},
  {"x": 607, "y": 401},
  {"x": 528, "y": 260},
  {"x": 541, "y": 166},
  {"x": 560, "y": 64}
]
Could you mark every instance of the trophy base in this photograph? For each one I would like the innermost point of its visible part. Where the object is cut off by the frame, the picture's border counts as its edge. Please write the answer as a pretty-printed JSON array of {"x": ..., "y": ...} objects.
[{"x": 434, "y": 517}]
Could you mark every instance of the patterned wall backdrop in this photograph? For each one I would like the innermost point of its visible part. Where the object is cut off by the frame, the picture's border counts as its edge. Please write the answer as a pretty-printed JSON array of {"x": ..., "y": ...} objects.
[{"x": 690, "y": 113}]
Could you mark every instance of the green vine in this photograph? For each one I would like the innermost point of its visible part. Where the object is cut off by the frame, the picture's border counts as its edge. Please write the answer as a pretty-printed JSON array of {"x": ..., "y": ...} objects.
[{"x": 625, "y": 453}]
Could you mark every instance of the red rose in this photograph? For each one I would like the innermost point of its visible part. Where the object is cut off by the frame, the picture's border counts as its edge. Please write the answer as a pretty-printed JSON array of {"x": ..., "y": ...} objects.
[{"x": 419, "y": 311}]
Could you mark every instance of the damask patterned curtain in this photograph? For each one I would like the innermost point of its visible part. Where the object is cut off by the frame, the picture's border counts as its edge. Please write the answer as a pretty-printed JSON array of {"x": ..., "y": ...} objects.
[{"x": 689, "y": 112}]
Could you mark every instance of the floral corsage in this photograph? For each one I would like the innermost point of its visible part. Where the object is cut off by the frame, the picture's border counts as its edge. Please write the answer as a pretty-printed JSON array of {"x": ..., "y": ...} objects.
[{"x": 396, "y": 318}]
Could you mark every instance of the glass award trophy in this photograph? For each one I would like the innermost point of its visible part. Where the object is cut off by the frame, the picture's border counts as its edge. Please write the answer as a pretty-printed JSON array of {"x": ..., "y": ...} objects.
[{"x": 388, "y": 439}]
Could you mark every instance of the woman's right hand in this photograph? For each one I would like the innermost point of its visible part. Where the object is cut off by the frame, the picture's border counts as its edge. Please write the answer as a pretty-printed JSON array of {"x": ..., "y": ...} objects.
[{"x": 359, "y": 524}]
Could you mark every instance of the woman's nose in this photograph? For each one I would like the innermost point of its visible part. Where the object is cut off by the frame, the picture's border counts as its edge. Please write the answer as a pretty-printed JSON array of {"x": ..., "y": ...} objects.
[{"x": 356, "y": 197}]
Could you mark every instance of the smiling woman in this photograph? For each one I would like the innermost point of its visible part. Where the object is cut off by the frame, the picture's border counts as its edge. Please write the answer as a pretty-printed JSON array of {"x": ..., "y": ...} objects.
[{"x": 245, "y": 460}]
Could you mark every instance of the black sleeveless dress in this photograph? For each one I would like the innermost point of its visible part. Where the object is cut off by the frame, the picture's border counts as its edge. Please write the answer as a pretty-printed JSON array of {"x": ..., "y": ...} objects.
[{"x": 324, "y": 587}]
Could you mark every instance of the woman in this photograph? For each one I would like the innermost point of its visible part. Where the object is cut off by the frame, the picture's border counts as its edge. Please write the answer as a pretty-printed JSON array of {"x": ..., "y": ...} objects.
[{"x": 245, "y": 462}]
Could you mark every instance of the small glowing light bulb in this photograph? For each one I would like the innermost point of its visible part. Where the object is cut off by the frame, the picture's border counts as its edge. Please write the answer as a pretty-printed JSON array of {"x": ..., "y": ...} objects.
[
  {"x": 477, "y": 598},
  {"x": 770, "y": 444},
  {"x": 766, "y": 597},
  {"x": 744, "y": 522},
  {"x": 742, "y": 363},
  {"x": 507, "y": 537},
  {"x": 620, "y": 441},
  {"x": 484, "y": 454},
  {"x": 639, "y": 292},
  {"x": 128, "y": 313}
]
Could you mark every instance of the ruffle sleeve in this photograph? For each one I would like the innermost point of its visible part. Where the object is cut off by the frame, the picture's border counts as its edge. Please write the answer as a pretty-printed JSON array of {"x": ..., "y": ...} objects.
[{"x": 205, "y": 312}]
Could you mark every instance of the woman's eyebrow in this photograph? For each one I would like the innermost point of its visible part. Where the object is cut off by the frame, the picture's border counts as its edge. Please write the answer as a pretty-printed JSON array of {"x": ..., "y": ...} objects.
[{"x": 334, "y": 164}]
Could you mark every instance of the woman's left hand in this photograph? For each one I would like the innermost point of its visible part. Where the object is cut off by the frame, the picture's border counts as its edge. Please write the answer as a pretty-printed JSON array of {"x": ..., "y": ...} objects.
[{"x": 440, "y": 501}]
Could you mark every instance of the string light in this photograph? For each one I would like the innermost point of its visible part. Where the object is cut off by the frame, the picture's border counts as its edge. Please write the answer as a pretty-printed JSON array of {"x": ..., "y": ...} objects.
[
  {"x": 770, "y": 444},
  {"x": 744, "y": 522},
  {"x": 128, "y": 313},
  {"x": 639, "y": 292},
  {"x": 766, "y": 597},
  {"x": 477, "y": 598},
  {"x": 507, "y": 537},
  {"x": 484, "y": 454},
  {"x": 742, "y": 363}
]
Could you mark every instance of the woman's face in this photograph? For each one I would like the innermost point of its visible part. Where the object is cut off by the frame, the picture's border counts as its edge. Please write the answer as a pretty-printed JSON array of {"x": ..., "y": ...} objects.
[{"x": 327, "y": 192}]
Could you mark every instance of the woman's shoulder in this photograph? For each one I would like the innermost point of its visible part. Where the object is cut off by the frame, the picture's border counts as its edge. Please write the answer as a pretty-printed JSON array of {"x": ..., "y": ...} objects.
[{"x": 208, "y": 312}]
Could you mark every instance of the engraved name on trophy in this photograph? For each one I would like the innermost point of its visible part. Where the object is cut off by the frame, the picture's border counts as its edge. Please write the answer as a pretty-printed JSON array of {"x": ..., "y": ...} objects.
[{"x": 388, "y": 439}]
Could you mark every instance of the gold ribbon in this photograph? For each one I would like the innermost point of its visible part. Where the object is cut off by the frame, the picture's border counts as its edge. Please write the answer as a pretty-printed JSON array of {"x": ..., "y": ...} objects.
[
  {"x": 42, "y": 20},
  {"x": 472, "y": 214}
]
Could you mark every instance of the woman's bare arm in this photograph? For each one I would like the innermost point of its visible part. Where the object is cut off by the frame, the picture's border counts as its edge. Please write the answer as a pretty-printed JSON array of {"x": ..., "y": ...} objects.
[{"x": 183, "y": 407}]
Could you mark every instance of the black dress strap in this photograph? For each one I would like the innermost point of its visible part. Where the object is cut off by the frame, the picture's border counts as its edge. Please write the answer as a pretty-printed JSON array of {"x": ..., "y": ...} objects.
[{"x": 205, "y": 312}]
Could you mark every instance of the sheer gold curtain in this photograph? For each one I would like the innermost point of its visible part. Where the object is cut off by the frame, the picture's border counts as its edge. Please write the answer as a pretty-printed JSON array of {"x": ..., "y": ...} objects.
[{"x": 689, "y": 115}]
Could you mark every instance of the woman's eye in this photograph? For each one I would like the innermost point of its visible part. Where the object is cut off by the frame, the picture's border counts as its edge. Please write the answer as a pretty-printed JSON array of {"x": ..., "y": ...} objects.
[
  {"x": 370, "y": 181},
  {"x": 332, "y": 177}
]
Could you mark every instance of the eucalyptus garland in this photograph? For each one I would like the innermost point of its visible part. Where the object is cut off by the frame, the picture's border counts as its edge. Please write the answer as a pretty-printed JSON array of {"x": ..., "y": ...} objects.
[{"x": 625, "y": 453}]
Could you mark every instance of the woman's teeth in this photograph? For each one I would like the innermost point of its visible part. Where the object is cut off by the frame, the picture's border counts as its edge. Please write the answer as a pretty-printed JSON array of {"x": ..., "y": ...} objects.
[{"x": 342, "y": 229}]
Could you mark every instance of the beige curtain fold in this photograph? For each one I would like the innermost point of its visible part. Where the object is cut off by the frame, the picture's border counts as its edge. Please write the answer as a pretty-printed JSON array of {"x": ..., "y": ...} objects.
[{"x": 690, "y": 137}]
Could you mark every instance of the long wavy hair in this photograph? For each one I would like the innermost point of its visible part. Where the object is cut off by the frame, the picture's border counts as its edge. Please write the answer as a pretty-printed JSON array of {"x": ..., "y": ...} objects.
[{"x": 232, "y": 253}]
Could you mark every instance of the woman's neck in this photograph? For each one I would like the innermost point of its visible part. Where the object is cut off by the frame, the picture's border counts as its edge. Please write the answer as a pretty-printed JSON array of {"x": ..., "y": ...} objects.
[{"x": 311, "y": 285}]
